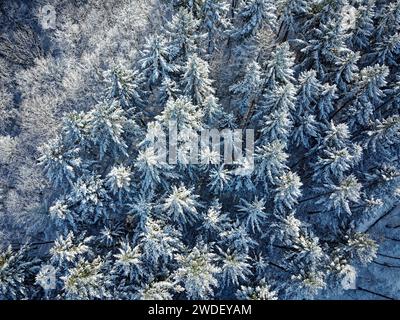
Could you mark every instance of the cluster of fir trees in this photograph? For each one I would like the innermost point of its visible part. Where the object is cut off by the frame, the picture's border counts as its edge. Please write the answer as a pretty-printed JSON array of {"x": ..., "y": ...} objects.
[{"x": 319, "y": 82}]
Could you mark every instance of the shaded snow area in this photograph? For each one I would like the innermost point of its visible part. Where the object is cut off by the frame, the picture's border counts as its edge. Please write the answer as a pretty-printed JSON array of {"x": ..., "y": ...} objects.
[
  {"x": 382, "y": 276},
  {"x": 200, "y": 149}
]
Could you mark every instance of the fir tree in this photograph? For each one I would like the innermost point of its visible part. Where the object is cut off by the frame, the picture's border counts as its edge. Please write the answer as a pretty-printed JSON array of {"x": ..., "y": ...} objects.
[
  {"x": 155, "y": 61},
  {"x": 214, "y": 22},
  {"x": 255, "y": 14},
  {"x": 182, "y": 32},
  {"x": 196, "y": 82}
]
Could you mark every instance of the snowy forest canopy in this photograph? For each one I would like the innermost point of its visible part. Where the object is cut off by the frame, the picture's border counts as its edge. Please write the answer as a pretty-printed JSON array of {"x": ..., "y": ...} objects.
[{"x": 88, "y": 210}]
